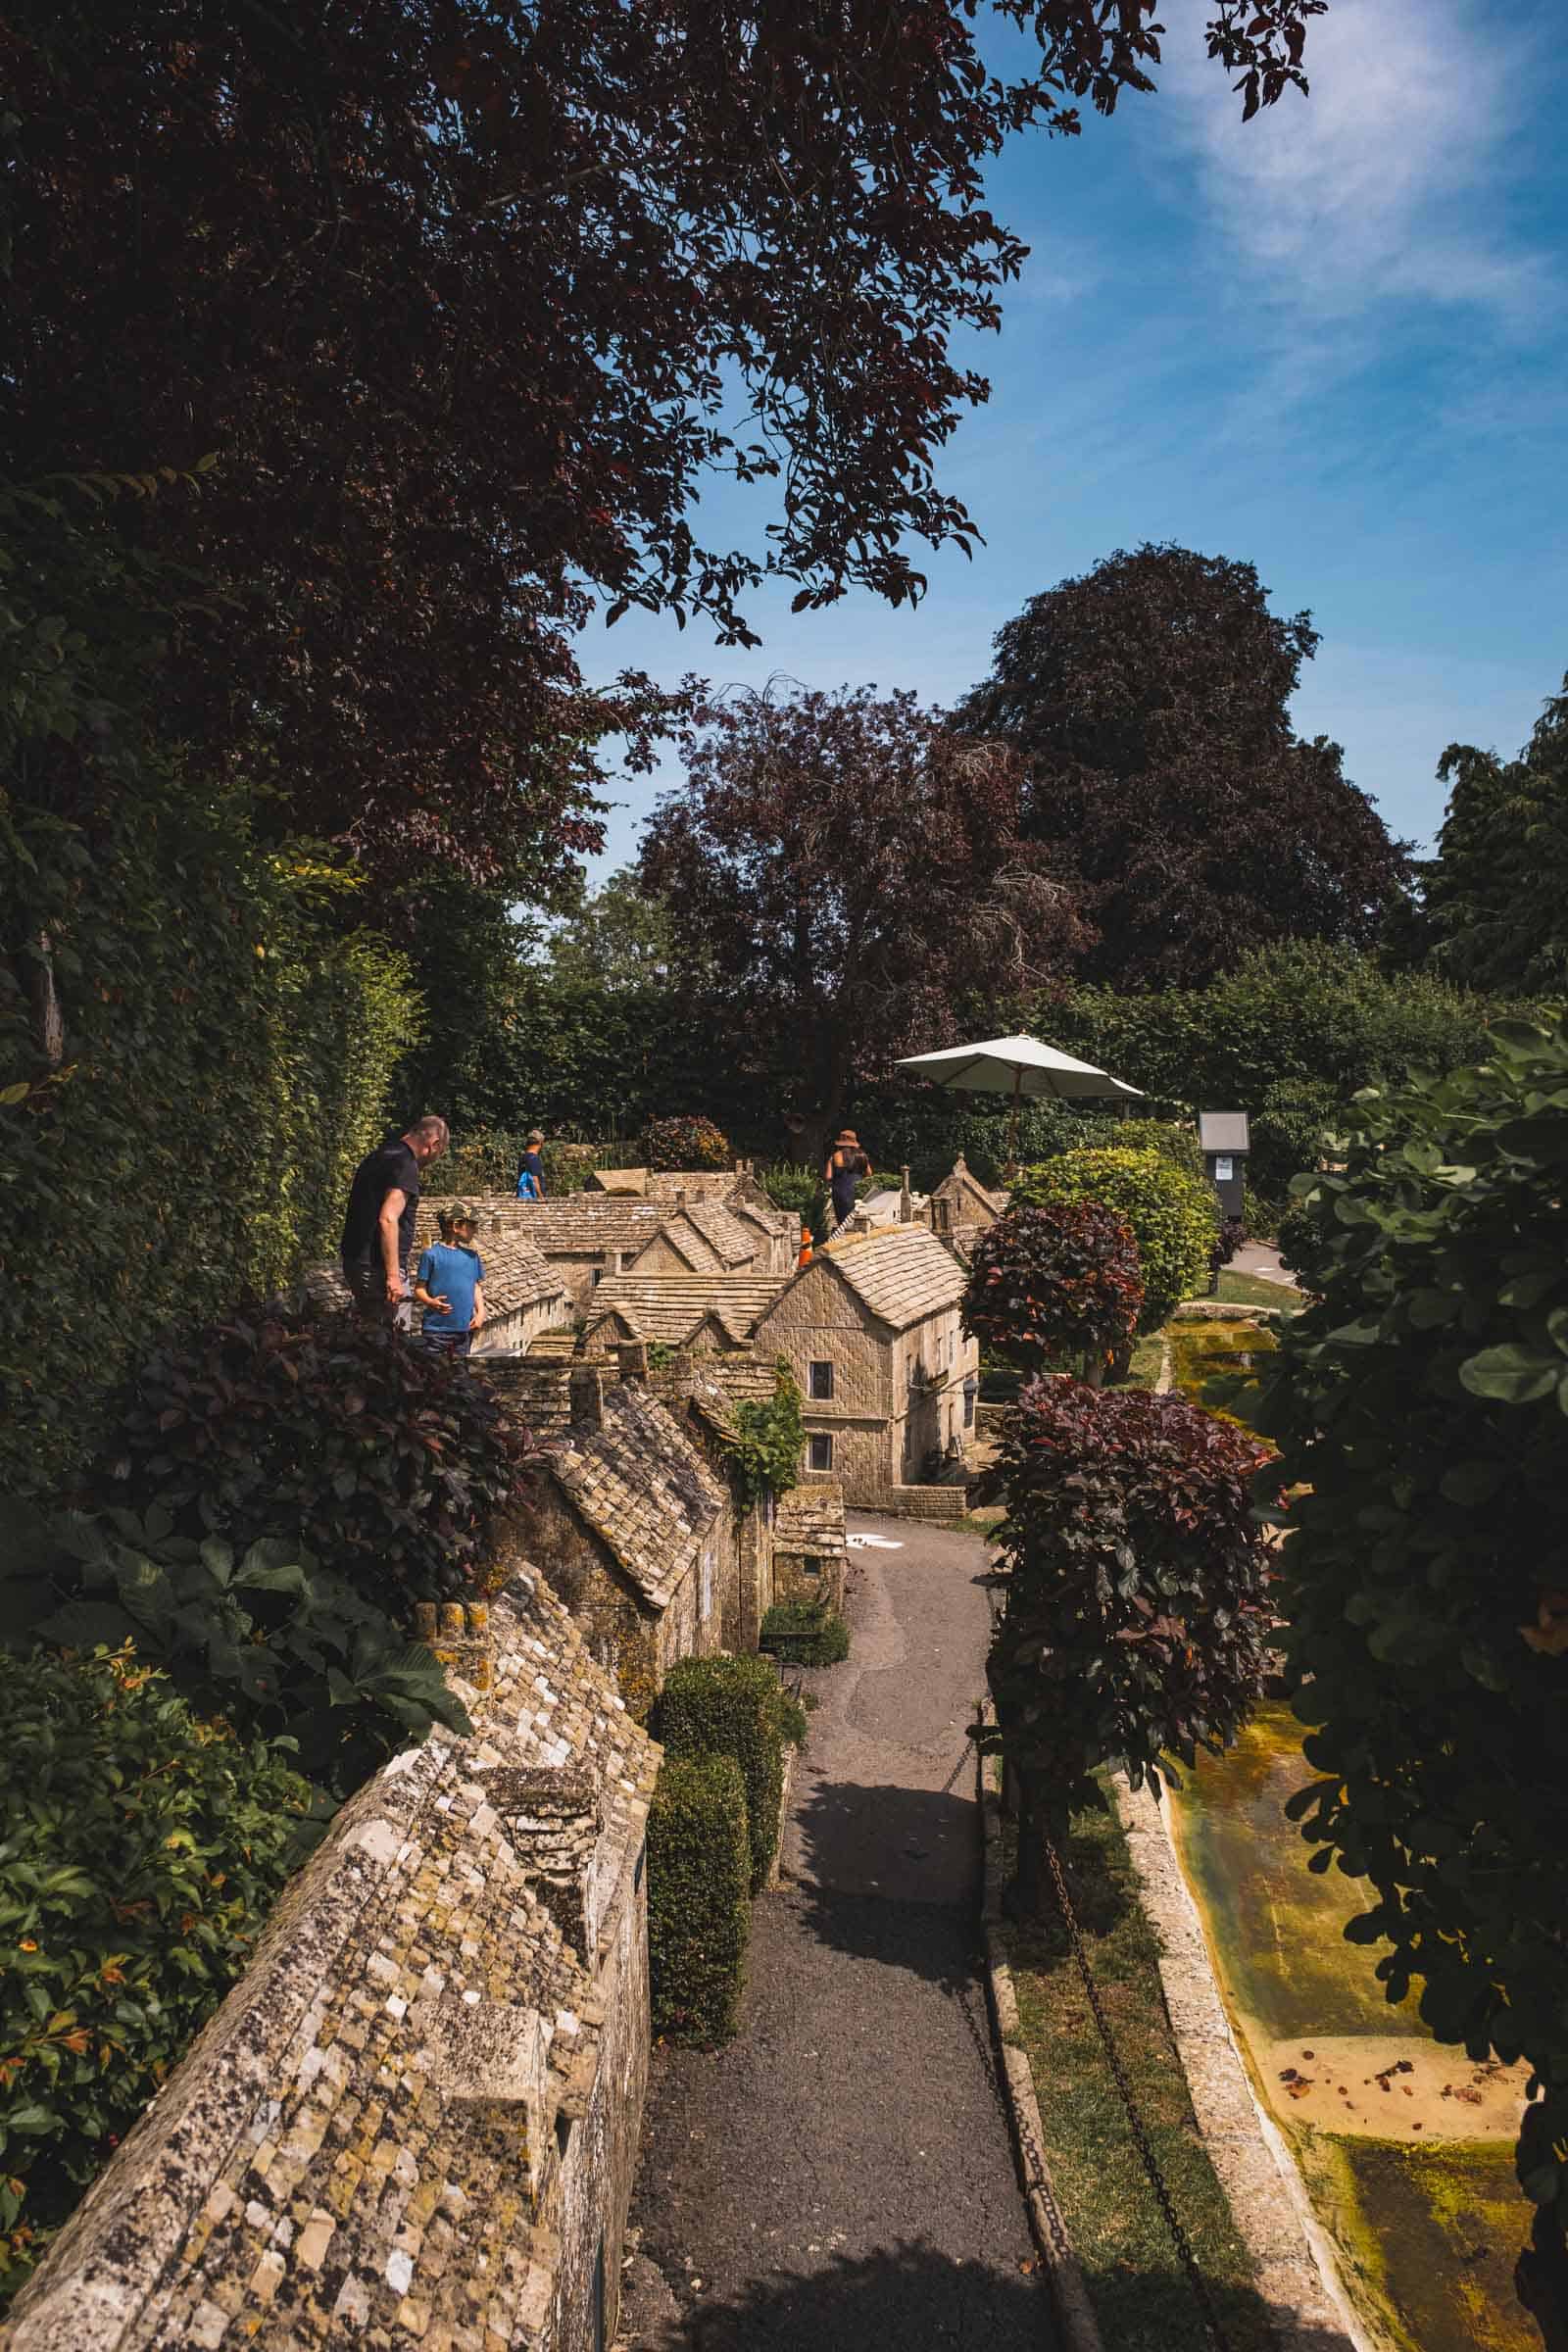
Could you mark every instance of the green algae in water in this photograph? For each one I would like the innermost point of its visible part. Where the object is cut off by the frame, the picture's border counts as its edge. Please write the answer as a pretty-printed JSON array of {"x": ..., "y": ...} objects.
[
  {"x": 1275, "y": 1927},
  {"x": 1428, "y": 2236}
]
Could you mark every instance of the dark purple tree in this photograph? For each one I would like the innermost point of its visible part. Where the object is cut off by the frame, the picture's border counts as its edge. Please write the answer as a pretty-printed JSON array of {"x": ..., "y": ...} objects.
[
  {"x": 847, "y": 873},
  {"x": 1150, "y": 701}
]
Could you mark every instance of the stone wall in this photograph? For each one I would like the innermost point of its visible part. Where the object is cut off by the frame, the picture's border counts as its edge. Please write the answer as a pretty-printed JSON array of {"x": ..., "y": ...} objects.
[
  {"x": 414, "y": 2120},
  {"x": 619, "y": 1635}
]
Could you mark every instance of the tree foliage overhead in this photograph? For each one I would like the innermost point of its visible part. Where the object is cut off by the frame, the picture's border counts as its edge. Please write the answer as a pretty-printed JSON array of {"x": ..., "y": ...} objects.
[
  {"x": 1149, "y": 698},
  {"x": 848, "y": 871},
  {"x": 1495, "y": 900},
  {"x": 1421, "y": 1404},
  {"x": 469, "y": 300}
]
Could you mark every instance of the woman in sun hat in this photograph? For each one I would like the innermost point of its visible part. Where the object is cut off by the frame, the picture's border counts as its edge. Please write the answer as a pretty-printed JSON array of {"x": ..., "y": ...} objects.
[{"x": 845, "y": 1164}]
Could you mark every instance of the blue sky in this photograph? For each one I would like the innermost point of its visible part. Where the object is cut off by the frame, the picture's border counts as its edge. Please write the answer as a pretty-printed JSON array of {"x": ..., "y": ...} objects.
[{"x": 1333, "y": 341}]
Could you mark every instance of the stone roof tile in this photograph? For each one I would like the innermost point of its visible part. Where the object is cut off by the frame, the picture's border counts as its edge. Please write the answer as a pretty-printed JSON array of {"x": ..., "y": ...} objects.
[
  {"x": 641, "y": 1483},
  {"x": 901, "y": 1273}
]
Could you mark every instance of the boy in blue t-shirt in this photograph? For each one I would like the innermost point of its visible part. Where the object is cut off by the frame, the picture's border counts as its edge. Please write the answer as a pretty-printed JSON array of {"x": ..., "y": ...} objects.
[{"x": 449, "y": 1284}]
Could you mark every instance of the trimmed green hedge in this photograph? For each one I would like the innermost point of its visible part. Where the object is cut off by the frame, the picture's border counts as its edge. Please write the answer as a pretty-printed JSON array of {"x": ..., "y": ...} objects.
[
  {"x": 140, "y": 1851},
  {"x": 224, "y": 1051},
  {"x": 805, "y": 1632},
  {"x": 735, "y": 1707},
  {"x": 698, "y": 1909}
]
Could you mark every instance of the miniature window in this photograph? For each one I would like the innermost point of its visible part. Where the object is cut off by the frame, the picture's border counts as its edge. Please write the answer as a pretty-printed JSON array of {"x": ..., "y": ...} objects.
[
  {"x": 822, "y": 1382},
  {"x": 708, "y": 1584},
  {"x": 811, "y": 1564},
  {"x": 819, "y": 1454}
]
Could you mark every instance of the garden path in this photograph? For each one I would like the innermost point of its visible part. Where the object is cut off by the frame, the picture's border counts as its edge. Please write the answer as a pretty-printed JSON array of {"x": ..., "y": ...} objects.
[{"x": 841, "y": 2177}]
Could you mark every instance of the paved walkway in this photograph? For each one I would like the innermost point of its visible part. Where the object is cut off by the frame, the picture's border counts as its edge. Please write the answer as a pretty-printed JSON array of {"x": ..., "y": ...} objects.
[
  {"x": 1262, "y": 1259},
  {"x": 840, "y": 2178}
]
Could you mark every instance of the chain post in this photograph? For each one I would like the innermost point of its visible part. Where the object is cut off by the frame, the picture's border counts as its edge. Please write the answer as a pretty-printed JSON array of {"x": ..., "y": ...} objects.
[{"x": 1139, "y": 2132}]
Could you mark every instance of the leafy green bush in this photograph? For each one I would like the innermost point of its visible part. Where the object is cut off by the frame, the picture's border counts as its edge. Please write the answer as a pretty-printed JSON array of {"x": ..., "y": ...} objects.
[
  {"x": 1423, "y": 1400},
  {"x": 734, "y": 1707},
  {"x": 140, "y": 1851},
  {"x": 270, "y": 1639},
  {"x": 684, "y": 1143},
  {"x": 1134, "y": 1617},
  {"x": 331, "y": 1433},
  {"x": 699, "y": 1908},
  {"x": 771, "y": 1439},
  {"x": 486, "y": 1160},
  {"x": 792, "y": 1184},
  {"x": 807, "y": 1631},
  {"x": 1058, "y": 1282},
  {"x": 1172, "y": 1213}
]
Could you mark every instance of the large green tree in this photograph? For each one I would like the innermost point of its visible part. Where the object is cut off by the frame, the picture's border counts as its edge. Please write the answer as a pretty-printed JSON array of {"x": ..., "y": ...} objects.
[
  {"x": 1150, "y": 700},
  {"x": 466, "y": 300},
  {"x": 1495, "y": 900}
]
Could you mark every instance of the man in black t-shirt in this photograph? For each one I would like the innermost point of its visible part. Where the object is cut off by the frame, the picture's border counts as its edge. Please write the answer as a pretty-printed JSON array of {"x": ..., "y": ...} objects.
[{"x": 378, "y": 1229}]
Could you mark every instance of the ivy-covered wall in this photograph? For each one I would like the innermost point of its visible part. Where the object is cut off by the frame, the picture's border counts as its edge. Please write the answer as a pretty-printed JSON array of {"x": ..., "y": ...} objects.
[{"x": 194, "y": 1051}]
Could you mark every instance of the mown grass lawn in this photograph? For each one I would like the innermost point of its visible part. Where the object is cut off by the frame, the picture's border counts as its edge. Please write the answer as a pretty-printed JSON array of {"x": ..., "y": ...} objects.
[
  {"x": 1139, "y": 2293},
  {"x": 1250, "y": 1289}
]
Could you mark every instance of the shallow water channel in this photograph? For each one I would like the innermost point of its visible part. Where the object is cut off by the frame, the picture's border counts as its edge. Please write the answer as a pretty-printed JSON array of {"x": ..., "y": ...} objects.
[{"x": 1405, "y": 2147}]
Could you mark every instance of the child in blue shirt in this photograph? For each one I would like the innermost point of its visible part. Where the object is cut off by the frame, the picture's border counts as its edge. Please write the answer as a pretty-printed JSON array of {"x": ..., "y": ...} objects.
[{"x": 449, "y": 1284}]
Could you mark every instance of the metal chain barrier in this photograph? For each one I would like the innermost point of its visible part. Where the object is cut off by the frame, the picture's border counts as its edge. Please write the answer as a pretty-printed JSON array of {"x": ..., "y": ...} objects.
[{"x": 1151, "y": 2162}]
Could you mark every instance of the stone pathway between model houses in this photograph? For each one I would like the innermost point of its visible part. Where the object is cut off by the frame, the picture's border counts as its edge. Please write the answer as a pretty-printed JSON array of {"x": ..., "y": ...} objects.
[{"x": 841, "y": 2177}]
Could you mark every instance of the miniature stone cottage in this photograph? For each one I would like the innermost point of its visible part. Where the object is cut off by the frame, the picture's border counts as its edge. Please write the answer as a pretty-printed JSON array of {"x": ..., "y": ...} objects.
[
  {"x": 698, "y": 1237},
  {"x": 960, "y": 1207},
  {"x": 414, "y": 2120},
  {"x": 633, "y": 1532},
  {"x": 673, "y": 1309},
  {"x": 871, "y": 1329},
  {"x": 810, "y": 1546}
]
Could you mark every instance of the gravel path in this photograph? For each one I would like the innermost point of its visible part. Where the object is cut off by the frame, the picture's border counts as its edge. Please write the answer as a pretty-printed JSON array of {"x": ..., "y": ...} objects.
[{"x": 840, "y": 2178}]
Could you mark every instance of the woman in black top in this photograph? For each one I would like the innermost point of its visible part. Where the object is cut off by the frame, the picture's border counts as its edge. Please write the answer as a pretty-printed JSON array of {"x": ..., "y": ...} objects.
[{"x": 845, "y": 1164}]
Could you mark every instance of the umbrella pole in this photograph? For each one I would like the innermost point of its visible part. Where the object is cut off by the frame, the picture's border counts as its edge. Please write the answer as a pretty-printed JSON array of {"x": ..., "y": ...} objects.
[{"x": 1012, "y": 1123}]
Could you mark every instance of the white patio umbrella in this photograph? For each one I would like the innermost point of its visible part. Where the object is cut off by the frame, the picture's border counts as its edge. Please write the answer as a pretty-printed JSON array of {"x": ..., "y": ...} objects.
[{"x": 1018, "y": 1066}]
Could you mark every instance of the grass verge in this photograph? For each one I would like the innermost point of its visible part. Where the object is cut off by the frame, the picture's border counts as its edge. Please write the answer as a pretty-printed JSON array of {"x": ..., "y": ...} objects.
[
  {"x": 1250, "y": 1289},
  {"x": 1141, "y": 2294}
]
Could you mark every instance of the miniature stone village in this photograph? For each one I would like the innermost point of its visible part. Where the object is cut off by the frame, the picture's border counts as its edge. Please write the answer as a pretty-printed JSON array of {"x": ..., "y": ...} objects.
[{"x": 415, "y": 2122}]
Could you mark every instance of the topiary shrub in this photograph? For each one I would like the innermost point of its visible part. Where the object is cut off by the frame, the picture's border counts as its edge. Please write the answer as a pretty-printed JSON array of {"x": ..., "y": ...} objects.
[
  {"x": 699, "y": 1908},
  {"x": 270, "y": 1639},
  {"x": 381, "y": 1459},
  {"x": 688, "y": 1143},
  {"x": 807, "y": 1631},
  {"x": 1059, "y": 1282},
  {"x": 1423, "y": 1400},
  {"x": 734, "y": 1707},
  {"x": 1173, "y": 1215},
  {"x": 140, "y": 1851},
  {"x": 1133, "y": 1627}
]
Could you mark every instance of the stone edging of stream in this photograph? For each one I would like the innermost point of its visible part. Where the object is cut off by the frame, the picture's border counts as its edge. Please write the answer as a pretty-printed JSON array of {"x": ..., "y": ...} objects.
[
  {"x": 1297, "y": 2272},
  {"x": 1074, "y": 2313}
]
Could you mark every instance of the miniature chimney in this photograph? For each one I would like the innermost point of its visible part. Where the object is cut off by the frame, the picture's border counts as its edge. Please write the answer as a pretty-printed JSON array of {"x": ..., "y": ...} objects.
[
  {"x": 587, "y": 1396},
  {"x": 551, "y": 1814},
  {"x": 906, "y": 1204},
  {"x": 632, "y": 1356}
]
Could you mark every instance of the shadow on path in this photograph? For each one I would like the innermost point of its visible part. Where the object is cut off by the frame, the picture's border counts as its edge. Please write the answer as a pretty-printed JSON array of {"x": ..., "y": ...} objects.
[{"x": 911, "y": 2296}]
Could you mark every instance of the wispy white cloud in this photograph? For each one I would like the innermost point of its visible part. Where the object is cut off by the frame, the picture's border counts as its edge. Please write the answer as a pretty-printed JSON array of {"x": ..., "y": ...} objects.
[{"x": 1390, "y": 182}]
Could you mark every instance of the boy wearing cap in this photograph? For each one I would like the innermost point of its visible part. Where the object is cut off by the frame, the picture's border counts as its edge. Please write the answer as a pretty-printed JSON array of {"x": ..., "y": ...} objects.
[
  {"x": 532, "y": 1174},
  {"x": 449, "y": 1284}
]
